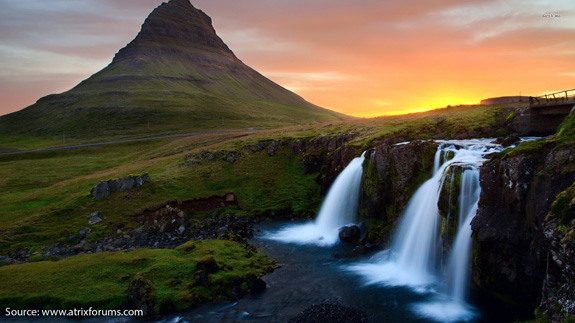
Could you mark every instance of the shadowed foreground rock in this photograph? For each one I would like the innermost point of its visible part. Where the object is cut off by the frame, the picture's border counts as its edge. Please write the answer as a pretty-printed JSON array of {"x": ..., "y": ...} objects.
[{"x": 333, "y": 313}]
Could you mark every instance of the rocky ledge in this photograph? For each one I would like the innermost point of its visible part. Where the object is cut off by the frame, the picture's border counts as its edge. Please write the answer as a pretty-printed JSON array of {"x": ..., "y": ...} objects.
[{"x": 166, "y": 227}]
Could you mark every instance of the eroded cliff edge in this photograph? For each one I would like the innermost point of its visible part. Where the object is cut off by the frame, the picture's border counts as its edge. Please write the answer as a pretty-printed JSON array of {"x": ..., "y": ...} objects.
[{"x": 518, "y": 255}]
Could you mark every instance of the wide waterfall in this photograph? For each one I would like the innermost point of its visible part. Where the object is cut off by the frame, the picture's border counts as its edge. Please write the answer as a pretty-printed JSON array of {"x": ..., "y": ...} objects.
[
  {"x": 338, "y": 209},
  {"x": 417, "y": 253}
]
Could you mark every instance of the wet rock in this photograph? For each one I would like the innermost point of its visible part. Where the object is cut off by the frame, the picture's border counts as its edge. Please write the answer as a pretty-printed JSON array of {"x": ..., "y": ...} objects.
[
  {"x": 350, "y": 233},
  {"x": 329, "y": 312},
  {"x": 258, "y": 286},
  {"x": 508, "y": 140}
]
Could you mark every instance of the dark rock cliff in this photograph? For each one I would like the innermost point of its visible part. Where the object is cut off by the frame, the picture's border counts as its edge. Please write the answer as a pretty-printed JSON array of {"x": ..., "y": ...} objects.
[
  {"x": 391, "y": 175},
  {"x": 558, "y": 297},
  {"x": 325, "y": 155},
  {"x": 517, "y": 190}
]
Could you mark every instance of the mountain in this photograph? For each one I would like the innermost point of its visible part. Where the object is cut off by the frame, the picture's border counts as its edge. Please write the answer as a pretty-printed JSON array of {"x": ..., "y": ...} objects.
[{"x": 176, "y": 76}]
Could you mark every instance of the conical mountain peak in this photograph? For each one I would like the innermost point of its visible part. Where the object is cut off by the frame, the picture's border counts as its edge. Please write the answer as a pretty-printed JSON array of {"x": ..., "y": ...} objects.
[{"x": 176, "y": 24}]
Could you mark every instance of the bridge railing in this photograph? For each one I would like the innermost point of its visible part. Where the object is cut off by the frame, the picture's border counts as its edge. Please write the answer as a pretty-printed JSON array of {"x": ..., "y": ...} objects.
[{"x": 557, "y": 97}]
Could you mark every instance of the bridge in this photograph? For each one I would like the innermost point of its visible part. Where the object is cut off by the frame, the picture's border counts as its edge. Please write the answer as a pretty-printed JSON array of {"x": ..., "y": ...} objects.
[{"x": 545, "y": 113}]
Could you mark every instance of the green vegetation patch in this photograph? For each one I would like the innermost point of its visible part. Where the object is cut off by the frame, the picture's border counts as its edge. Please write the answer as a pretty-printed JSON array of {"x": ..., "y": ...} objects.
[{"x": 101, "y": 280}]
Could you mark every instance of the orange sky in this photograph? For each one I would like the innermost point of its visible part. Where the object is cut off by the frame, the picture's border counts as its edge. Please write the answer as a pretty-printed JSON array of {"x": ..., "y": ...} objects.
[{"x": 369, "y": 59}]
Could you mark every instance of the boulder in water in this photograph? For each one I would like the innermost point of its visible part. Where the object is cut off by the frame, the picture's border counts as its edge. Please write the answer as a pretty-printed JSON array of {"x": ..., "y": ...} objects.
[{"x": 350, "y": 233}]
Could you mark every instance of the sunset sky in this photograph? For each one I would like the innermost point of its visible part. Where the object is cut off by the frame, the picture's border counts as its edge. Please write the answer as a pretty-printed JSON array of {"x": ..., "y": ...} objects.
[{"x": 363, "y": 58}]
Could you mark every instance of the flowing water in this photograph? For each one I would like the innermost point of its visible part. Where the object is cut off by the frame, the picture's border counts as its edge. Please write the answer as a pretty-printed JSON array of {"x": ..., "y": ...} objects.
[
  {"x": 416, "y": 256},
  {"x": 338, "y": 209}
]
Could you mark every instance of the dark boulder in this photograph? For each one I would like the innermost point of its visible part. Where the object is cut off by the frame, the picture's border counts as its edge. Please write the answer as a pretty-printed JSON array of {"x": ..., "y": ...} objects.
[
  {"x": 101, "y": 190},
  {"x": 508, "y": 140},
  {"x": 350, "y": 233},
  {"x": 258, "y": 286},
  {"x": 126, "y": 184}
]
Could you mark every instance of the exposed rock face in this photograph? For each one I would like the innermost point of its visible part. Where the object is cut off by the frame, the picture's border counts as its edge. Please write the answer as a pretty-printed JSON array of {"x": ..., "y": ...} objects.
[
  {"x": 516, "y": 194},
  {"x": 391, "y": 175},
  {"x": 558, "y": 286},
  {"x": 126, "y": 184},
  {"x": 328, "y": 155},
  {"x": 175, "y": 21}
]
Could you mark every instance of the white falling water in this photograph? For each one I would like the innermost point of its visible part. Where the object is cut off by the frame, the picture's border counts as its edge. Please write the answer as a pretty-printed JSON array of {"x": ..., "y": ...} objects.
[
  {"x": 338, "y": 209},
  {"x": 453, "y": 305},
  {"x": 415, "y": 256},
  {"x": 458, "y": 267}
]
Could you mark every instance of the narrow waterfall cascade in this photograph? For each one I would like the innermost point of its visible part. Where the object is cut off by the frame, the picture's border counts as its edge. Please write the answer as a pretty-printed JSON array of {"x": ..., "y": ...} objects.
[
  {"x": 338, "y": 209},
  {"x": 417, "y": 251},
  {"x": 458, "y": 270}
]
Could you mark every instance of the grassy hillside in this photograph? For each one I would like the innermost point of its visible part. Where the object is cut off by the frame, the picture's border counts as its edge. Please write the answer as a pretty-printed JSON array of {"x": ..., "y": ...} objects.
[{"x": 45, "y": 196}]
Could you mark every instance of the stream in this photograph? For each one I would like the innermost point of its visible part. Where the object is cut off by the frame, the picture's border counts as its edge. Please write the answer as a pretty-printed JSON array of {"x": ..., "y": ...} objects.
[{"x": 310, "y": 274}]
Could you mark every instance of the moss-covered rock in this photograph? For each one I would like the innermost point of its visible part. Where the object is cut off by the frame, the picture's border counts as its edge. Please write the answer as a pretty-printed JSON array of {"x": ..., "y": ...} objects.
[
  {"x": 448, "y": 205},
  {"x": 142, "y": 295},
  {"x": 391, "y": 174},
  {"x": 559, "y": 285}
]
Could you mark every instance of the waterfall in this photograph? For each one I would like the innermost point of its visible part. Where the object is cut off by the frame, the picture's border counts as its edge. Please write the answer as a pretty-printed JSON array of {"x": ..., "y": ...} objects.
[
  {"x": 416, "y": 253},
  {"x": 417, "y": 243},
  {"x": 338, "y": 209}
]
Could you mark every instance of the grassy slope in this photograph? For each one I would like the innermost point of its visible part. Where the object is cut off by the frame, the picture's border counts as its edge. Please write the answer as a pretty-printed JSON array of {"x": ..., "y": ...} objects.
[
  {"x": 42, "y": 202},
  {"x": 101, "y": 280}
]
